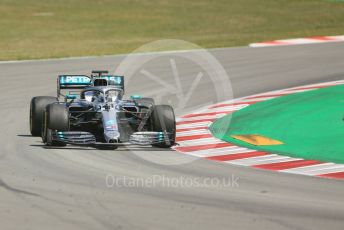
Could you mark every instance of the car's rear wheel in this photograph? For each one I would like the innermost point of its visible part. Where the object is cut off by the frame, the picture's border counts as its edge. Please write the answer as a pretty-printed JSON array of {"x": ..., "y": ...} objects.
[
  {"x": 56, "y": 118},
  {"x": 163, "y": 120},
  {"x": 37, "y": 107}
]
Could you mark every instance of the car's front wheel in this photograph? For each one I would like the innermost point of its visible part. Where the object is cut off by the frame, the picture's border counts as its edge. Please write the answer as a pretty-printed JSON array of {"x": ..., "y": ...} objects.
[
  {"x": 56, "y": 117},
  {"x": 163, "y": 120}
]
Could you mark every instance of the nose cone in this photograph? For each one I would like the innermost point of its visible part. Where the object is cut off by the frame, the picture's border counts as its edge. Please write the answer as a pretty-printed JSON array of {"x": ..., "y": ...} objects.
[{"x": 111, "y": 136}]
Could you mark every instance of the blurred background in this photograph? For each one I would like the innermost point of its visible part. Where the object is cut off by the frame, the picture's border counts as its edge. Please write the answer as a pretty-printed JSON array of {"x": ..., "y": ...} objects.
[{"x": 32, "y": 29}]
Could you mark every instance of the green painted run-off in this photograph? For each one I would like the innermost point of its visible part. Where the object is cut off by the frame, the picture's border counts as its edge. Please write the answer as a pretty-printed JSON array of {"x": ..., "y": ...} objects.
[{"x": 310, "y": 124}]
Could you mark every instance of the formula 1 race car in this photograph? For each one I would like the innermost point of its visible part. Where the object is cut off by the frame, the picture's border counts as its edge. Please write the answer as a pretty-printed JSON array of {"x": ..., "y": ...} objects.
[{"x": 97, "y": 115}]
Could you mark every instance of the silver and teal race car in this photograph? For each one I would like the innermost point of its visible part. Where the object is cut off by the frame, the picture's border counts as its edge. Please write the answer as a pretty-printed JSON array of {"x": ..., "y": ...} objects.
[{"x": 91, "y": 111}]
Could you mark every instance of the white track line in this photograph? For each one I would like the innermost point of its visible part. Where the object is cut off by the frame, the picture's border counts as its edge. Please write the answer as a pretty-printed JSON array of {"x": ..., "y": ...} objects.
[
  {"x": 193, "y": 132},
  {"x": 268, "y": 159},
  {"x": 299, "y": 41},
  {"x": 193, "y": 125},
  {"x": 318, "y": 169},
  {"x": 204, "y": 141},
  {"x": 221, "y": 151}
]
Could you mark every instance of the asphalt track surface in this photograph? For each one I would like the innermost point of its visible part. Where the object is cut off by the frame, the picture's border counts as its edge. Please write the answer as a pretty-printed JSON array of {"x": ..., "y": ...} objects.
[{"x": 65, "y": 188}]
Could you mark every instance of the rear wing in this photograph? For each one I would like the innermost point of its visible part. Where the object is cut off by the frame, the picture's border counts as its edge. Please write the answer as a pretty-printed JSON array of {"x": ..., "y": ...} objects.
[
  {"x": 102, "y": 78},
  {"x": 73, "y": 82},
  {"x": 109, "y": 80}
]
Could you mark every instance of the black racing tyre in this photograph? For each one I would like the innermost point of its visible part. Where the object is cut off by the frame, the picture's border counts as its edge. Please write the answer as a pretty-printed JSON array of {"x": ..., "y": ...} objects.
[
  {"x": 163, "y": 120},
  {"x": 37, "y": 107},
  {"x": 56, "y": 117}
]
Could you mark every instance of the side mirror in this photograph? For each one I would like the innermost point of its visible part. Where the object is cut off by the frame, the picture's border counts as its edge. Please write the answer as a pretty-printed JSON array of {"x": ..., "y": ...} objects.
[
  {"x": 133, "y": 97},
  {"x": 71, "y": 97}
]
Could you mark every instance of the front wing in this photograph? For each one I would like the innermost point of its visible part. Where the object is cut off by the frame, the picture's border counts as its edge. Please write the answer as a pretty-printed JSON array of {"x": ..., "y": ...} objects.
[{"x": 88, "y": 139}]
